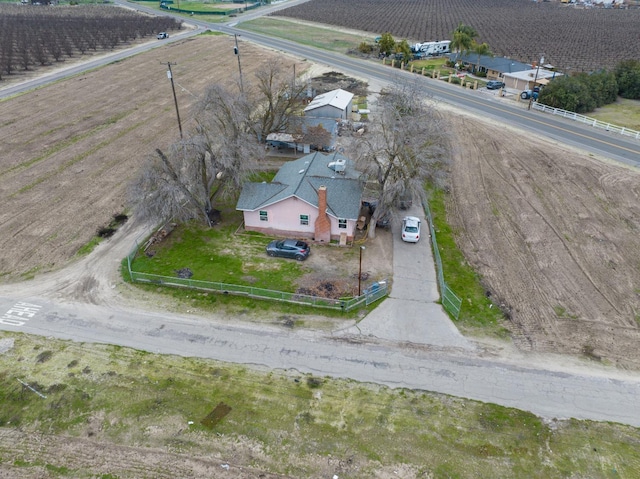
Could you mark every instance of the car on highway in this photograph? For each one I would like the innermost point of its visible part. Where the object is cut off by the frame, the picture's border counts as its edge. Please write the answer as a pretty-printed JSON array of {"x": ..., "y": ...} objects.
[
  {"x": 162, "y": 35},
  {"x": 494, "y": 85},
  {"x": 289, "y": 248},
  {"x": 410, "y": 229}
]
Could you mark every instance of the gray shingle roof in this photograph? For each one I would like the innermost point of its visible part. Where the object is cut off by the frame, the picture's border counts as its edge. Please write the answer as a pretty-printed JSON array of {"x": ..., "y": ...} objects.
[
  {"x": 302, "y": 178},
  {"x": 501, "y": 64}
]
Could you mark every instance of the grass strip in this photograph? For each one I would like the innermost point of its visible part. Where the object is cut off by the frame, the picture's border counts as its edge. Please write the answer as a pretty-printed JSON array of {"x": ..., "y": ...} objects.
[
  {"x": 478, "y": 314},
  {"x": 303, "y": 33}
]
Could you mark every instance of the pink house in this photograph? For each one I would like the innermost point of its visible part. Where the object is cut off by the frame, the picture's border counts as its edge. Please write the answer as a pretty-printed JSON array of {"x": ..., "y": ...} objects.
[{"x": 317, "y": 197}]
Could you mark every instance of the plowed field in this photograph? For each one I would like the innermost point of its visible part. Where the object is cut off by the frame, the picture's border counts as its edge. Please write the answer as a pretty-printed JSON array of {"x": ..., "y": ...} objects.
[{"x": 553, "y": 232}]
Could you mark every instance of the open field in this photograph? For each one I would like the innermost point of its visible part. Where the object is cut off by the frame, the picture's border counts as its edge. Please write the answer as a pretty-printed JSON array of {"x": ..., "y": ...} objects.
[
  {"x": 571, "y": 39},
  {"x": 553, "y": 234},
  {"x": 623, "y": 112}
]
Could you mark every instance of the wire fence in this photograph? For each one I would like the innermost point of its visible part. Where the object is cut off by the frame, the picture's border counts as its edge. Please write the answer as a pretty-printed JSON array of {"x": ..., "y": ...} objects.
[
  {"x": 603, "y": 125},
  {"x": 370, "y": 295},
  {"x": 450, "y": 301}
]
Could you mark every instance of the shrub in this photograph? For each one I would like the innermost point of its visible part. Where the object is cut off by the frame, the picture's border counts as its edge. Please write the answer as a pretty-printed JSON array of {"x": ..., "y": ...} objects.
[
  {"x": 582, "y": 93},
  {"x": 365, "y": 47},
  {"x": 628, "y": 77}
]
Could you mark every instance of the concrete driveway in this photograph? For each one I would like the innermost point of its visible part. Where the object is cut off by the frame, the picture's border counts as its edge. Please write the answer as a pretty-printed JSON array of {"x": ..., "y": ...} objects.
[{"x": 411, "y": 312}]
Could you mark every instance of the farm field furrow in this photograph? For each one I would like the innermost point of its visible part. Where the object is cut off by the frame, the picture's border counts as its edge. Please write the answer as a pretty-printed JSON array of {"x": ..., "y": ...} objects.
[
  {"x": 553, "y": 234},
  {"x": 73, "y": 146}
]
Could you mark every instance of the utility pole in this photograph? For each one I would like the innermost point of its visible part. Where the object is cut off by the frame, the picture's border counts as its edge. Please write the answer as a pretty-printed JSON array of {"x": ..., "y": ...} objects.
[
  {"x": 175, "y": 99},
  {"x": 360, "y": 272},
  {"x": 236, "y": 51},
  {"x": 534, "y": 82}
]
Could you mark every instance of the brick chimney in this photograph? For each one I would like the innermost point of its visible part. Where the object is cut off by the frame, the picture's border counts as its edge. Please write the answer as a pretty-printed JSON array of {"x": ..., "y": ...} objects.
[{"x": 322, "y": 225}]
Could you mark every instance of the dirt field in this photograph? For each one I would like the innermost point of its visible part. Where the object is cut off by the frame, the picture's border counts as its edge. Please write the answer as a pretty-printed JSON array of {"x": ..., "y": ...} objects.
[{"x": 553, "y": 232}]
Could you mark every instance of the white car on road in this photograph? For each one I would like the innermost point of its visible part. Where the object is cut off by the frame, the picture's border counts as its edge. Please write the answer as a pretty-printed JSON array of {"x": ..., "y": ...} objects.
[{"x": 410, "y": 229}]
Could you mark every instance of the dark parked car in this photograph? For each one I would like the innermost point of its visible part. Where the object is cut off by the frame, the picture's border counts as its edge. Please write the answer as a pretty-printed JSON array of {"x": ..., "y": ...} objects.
[
  {"x": 385, "y": 220},
  {"x": 289, "y": 248},
  {"x": 494, "y": 85}
]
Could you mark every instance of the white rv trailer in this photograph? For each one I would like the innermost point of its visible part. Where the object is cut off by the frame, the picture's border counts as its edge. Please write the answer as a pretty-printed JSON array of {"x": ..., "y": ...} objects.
[{"x": 431, "y": 48}]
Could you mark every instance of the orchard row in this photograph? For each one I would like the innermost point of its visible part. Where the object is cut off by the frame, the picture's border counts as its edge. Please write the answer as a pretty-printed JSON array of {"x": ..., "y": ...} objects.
[{"x": 32, "y": 36}]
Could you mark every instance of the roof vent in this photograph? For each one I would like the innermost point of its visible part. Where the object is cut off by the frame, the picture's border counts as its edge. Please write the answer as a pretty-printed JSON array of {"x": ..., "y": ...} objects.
[
  {"x": 338, "y": 165},
  {"x": 301, "y": 171}
]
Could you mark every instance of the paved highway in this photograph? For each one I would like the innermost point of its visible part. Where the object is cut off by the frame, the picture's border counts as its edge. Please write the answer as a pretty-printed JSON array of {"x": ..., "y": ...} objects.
[{"x": 600, "y": 142}]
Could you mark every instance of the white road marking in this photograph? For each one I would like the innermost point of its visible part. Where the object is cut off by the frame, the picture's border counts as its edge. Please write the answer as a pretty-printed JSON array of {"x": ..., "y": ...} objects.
[{"x": 19, "y": 313}]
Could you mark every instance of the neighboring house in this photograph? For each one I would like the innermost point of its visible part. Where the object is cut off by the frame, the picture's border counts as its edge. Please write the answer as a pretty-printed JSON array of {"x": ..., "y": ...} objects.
[
  {"x": 317, "y": 196},
  {"x": 334, "y": 104},
  {"x": 494, "y": 67},
  {"x": 527, "y": 79}
]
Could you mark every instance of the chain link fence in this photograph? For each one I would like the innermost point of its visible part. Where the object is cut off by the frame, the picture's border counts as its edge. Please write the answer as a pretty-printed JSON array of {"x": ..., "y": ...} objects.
[
  {"x": 375, "y": 292},
  {"x": 450, "y": 301}
]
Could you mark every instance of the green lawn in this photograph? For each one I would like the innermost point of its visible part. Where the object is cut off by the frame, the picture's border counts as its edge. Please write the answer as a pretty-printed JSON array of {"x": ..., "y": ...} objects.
[
  {"x": 621, "y": 113},
  {"x": 220, "y": 255},
  {"x": 318, "y": 37},
  {"x": 201, "y": 6}
]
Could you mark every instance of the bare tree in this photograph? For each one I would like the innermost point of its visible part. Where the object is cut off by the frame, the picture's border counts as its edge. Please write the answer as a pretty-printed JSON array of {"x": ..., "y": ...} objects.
[
  {"x": 211, "y": 163},
  {"x": 273, "y": 100},
  {"x": 404, "y": 148},
  {"x": 219, "y": 153},
  {"x": 168, "y": 187}
]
